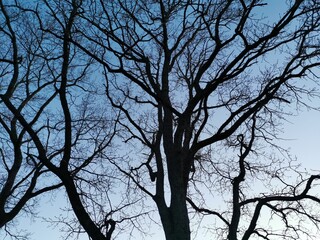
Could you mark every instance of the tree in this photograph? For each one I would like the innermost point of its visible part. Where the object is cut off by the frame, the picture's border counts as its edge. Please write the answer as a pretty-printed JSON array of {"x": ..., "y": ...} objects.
[
  {"x": 196, "y": 96},
  {"x": 190, "y": 75},
  {"x": 22, "y": 175},
  {"x": 51, "y": 132}
]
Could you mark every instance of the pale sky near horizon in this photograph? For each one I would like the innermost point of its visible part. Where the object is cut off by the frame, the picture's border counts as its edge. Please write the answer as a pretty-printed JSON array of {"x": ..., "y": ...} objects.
[{"x": 302, "y": 134}]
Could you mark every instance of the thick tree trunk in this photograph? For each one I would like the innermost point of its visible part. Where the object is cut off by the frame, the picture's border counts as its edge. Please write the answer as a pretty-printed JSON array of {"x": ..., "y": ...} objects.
[
  {"x": 175, "y": 219},
  {"x": 180, "y": 218}
]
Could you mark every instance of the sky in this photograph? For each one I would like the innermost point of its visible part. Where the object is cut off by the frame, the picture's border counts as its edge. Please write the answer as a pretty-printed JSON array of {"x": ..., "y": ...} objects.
[
  {"x": 303, "y": 138},
  {"x": 301, "y": 131}
]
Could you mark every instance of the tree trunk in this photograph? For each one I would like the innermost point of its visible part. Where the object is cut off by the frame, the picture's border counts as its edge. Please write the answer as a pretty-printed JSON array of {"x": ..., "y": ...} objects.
[
  {"x": 180, "y": 218},
  {"x": 175, "y": 218},
  {"x": 82, "y": 215}
]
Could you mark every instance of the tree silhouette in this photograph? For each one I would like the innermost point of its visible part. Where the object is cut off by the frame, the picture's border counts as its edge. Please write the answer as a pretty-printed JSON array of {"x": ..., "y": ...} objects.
[
  {"x": 51, "y": 134},
  {"x": 22, "y": 175},
  {"x": 197, "y": 90},
  {"x": 192, "y": 77}
]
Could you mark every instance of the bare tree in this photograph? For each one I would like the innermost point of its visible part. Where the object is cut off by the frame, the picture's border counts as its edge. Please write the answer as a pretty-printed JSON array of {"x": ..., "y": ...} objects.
[
  {"x": 191, "y": 77},
  {"x": 21, "y": 173},
  {"x": 54, "y": 127},
  {"x": 197, "y": 89}
]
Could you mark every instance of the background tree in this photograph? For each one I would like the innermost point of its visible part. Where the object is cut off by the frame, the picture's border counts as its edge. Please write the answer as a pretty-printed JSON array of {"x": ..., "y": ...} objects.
[
  {"x": 54, "y": 127},
  {"x": 22, "y": 74}
]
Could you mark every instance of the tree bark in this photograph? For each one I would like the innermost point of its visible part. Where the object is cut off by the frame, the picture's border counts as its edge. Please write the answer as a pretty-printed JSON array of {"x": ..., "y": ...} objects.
[{"x": 175, "y": 220}]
